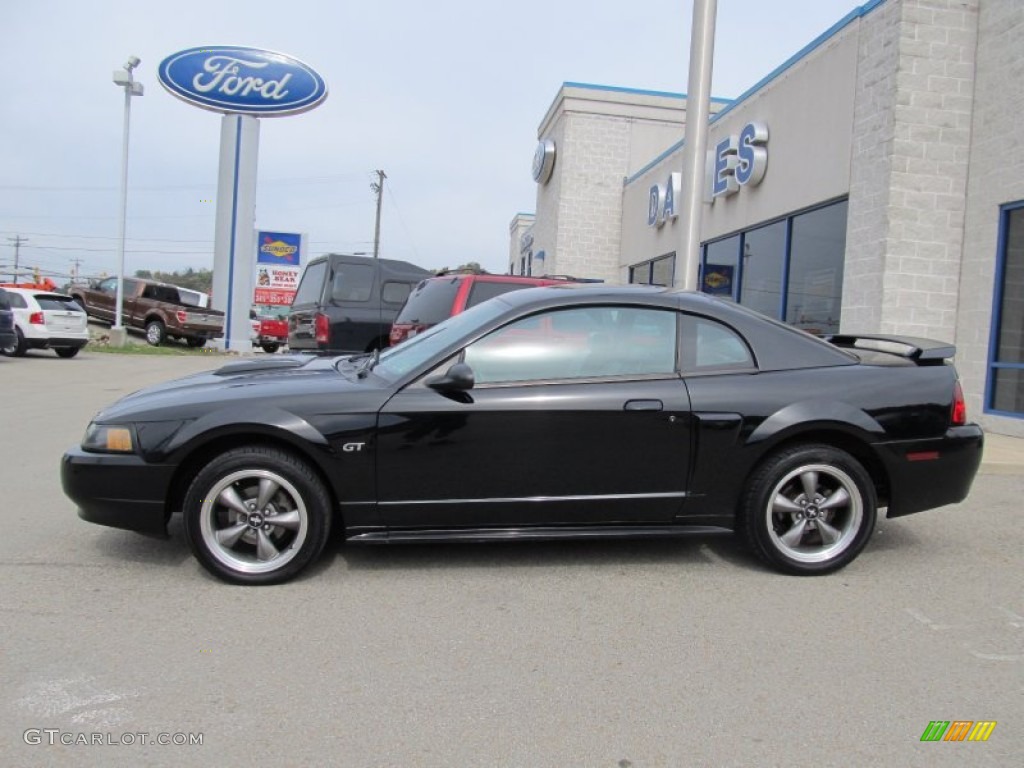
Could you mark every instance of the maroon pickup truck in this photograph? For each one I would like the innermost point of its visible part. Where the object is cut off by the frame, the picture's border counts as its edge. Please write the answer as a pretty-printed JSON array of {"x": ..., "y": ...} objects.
[{"x": 153, "y": 307}]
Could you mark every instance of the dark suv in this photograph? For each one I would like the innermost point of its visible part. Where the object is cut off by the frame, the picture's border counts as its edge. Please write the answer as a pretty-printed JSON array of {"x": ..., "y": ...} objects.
[
  {"x": 346, "y": 304},
  {"x": 8, "y": 337},
  {"x": 438, "y": 298}
]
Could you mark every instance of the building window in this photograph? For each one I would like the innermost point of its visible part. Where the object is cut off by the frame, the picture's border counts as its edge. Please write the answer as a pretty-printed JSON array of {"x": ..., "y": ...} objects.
[
  {"x": 764, "y": 261},
  {"x": 659, "y": 271},
  {"x": 789, "y": 269},
  {"x": 1005, "y": 386},
  {"x": 720, "y": 273},
  {"x": 816, "y": 254}
]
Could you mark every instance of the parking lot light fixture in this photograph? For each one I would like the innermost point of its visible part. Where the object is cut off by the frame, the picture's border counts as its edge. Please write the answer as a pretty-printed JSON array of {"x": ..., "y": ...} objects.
[{"x": 123, "y": 79}]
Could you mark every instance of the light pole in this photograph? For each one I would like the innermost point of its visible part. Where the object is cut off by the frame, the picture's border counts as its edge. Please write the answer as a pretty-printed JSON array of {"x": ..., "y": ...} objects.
[{"x": 123, "y": 78}]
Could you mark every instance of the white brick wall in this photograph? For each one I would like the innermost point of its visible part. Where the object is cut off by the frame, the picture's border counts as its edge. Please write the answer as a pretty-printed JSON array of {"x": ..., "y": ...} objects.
[
  {"x": 996, "y": 177},
  {"x": 910, "y": 159}
]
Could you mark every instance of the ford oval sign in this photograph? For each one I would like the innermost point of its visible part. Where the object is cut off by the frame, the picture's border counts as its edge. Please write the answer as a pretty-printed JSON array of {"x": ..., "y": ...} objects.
[{"x": 248, "y": 81}]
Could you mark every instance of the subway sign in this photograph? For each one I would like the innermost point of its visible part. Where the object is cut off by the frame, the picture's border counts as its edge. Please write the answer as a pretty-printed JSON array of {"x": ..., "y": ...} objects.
[{"x": 738, "y": 161}]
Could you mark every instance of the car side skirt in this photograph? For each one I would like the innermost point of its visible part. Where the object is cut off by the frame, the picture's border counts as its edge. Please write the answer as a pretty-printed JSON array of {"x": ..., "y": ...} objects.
[{"x": 534, "y": 533}]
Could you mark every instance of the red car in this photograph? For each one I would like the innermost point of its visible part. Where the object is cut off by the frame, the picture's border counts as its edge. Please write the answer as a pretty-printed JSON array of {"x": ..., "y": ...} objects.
[
  {"x": 268, "y": 332},
  {"x": 438, "y": 298}
]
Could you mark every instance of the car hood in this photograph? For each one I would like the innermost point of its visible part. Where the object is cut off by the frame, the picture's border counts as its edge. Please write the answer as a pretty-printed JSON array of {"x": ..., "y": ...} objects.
[{"x": 281, "y": 382}]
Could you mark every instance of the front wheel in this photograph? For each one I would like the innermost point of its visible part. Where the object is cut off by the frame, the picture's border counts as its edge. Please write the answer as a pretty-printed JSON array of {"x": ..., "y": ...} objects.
[
  {"x": 257, "y": 515},
  {"x": 155, "y": 332},
  {"x": 809, "y": 510},
  {"x": 195, "y": 342},
  {"x": 270, "y": 348},
  {"x": 66, "y": 352}
]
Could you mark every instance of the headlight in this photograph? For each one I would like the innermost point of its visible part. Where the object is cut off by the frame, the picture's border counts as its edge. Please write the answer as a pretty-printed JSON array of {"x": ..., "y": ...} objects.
[{"x": 109, "y": 438}]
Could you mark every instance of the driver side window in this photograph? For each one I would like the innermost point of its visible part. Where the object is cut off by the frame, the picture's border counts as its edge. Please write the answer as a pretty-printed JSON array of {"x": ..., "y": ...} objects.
[{"x": 580, "y": 343}]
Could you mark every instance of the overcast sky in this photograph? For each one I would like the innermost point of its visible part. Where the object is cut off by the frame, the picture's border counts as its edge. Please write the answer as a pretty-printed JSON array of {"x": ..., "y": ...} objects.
[{"x": 445, "y": 96}]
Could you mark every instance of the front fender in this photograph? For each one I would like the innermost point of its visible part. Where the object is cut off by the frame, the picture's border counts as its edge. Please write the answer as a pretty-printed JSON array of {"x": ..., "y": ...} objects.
[{"x": 272, "y": 422}]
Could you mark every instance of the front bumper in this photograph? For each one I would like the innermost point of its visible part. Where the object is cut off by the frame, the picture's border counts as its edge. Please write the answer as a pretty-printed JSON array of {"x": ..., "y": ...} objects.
[
  {"x": 122, "y": 491},
  {"x": 924, "y": 474}
]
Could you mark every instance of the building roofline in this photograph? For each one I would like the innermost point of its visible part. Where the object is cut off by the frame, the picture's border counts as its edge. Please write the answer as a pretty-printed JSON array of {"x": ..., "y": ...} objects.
[
  {"x": 857, "y": 13},
  {"x": 634, "y": 91}
]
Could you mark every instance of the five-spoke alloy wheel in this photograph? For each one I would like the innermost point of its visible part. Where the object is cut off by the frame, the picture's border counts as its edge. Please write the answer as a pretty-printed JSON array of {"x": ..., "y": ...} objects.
[
  {"x": 257, "y": 515},
  {"x": 809, "y": 509}
]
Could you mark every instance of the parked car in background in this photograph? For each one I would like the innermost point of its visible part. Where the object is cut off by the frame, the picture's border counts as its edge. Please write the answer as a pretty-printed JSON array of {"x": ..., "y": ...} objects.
[
  {"x": 155, "y": 308},
  {"x": 639, "y": 411},
  {"x": 269, "y": 333},
  {"x": 438, "y": 298},
  {"x": 46, "y": 320},
  {"x": 346, "y": 304},
  {"x": 8, "y": 337}
]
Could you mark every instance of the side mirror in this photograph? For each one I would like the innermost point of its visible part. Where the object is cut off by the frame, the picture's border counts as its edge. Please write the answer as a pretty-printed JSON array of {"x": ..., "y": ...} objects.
[{"x": 458, "y": 378}]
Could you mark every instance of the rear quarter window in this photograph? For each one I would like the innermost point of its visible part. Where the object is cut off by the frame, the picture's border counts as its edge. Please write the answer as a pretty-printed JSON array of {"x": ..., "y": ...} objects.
[
  {"x": 430, "y": 302},
  {"x": 5, "y": 302},
  {"x": 394, "y": 292},
  {"x": 311, "y": 285},
  {"x": 352, "y": 282},
  {"x": 14, "y": 301},
  {"x": 483, "y": 290}
]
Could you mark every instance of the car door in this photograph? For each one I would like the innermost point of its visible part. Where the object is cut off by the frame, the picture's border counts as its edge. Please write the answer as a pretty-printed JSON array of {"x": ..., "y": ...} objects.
[
  {"x": 103, "y": 299},
  {"x": 578, "y": 416}
]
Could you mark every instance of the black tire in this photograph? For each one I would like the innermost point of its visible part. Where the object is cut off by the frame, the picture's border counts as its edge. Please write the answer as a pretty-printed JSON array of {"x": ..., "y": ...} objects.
[
  {"x": 271, "y": 348},
  {"x": 195, "y": 343},
  {"x": 19, "y": 349},
  {"x": 809, "y": 510},
  {"x": 256, "y": 551},
  {"x": 66, "y": 352},
  {"x": 156, "y": 332}
]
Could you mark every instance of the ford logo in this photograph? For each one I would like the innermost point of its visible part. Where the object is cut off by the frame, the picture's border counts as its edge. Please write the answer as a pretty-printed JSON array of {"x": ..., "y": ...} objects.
[{"x": 248, "y": 81}]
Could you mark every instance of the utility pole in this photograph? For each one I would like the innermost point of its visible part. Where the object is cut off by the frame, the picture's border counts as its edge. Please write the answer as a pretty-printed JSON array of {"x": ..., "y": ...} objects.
[
  {"x": 378, "y": 187},
  {"x": 17, "y": 240},
  {"x": 76, "y": 263}
]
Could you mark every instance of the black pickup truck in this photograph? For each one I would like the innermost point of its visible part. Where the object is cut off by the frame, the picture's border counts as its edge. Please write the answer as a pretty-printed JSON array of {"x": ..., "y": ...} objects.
[{"x": 153, "y": 307}]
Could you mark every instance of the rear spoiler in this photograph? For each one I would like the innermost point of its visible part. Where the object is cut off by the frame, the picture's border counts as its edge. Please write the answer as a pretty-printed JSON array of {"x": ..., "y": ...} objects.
[{"x": 905, "y": 346}]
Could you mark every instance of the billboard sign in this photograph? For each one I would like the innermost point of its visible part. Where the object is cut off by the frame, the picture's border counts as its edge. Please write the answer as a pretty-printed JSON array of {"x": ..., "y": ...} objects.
[
  {"x": 278, "y": 267},
  {"x": 239, "y": 80}
]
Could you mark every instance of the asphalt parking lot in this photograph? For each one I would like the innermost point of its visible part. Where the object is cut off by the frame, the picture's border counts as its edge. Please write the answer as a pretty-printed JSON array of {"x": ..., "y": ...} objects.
[{"x": 617, "y": 654}]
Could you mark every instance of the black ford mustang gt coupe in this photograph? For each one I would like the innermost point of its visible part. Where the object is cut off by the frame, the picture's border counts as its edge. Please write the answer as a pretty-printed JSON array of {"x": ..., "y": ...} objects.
[{"x": 560, "y": 412}]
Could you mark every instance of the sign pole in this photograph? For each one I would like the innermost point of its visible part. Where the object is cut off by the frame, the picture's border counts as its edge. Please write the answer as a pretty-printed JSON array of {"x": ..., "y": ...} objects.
[
  {"x": 698, "y": 111},
  {"x": 235, "y": 228}
]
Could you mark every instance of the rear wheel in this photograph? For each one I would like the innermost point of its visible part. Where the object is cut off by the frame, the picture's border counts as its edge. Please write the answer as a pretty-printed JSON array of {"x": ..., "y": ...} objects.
[
  {"x": 257, "y": 515},
  {"x": 271, "y": 348},
  {"x": 155, "y": 332},
  {"x": 809, "y": 510},
  {"x": 66, "y": 351},
  {"x": 20, "y": 347}
]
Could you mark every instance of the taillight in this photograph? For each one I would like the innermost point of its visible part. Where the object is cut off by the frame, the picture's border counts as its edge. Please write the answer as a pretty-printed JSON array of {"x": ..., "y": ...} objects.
[
  {"x": 958, "y": 414},
  {"x": 322, "y": 329},
  {"x": 182, "y": 316},
  {"x": 36, "y": 318}
]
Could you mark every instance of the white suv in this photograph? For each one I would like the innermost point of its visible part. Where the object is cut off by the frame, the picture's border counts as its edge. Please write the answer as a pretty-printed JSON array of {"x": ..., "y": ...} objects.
[{"x": 45, "y": 320}]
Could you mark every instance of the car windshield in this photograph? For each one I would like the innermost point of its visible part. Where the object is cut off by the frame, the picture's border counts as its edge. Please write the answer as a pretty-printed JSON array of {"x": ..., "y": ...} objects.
[{"x": 409, "y": 355}]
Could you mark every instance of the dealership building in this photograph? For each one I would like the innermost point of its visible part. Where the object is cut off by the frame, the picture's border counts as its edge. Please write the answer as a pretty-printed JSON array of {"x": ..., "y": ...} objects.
[{"x": 872, "y": 183}]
